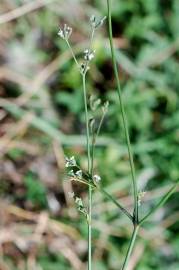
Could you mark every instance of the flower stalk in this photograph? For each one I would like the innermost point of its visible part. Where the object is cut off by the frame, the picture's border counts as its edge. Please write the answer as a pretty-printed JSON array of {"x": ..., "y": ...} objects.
[
  {"x": 130, "y": 248},
  {"x": 89, "y": 178},
  {"x": 124, "y": 119},
  {"x": 137, "y": 201},
  {"x": 89, "y": 170}
]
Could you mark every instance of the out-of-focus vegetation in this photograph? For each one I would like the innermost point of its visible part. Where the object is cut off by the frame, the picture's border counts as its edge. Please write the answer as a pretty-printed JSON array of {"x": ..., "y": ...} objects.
[{"x": 42, "y": 117}]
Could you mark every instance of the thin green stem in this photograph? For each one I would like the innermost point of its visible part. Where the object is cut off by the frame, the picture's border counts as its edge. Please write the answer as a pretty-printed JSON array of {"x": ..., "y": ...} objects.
[
  {"x": 72, "y": 53},
  {"x": 92, "y": 155},
  {"x": 92, "y": 145},
  {"x": 124, "y": 120},
  {"x": 89, "y": 182},
  {"x": 130, "y": 248},
  {"x": 87, "y": 122},
  {"x": 91, "y": 38},
  {"x": 90, "y": 48},
  {"x": 90, "y": 161},
  {"x": 99, "y": 127},
  {"x": 94, "y": 138},
  {"x": 89, "y": 170},
  {"x": 115, "y": 202},
  {"x": 111, "y": 198},
  {"x": 160, "y": 203},
  {"x": 89, "y": 228}
]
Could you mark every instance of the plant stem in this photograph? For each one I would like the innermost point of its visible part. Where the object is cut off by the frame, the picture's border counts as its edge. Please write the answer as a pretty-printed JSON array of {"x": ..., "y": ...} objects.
[
  {"x": 90, "y": 161},
  {"x": 89, "y": 182},
  {"x": 124, "y": 120},
  {"x": 87, "y": 122},
  {"x": 94, "y": 138},
  {"x": 160, "y": 203},
  {"x": 72, "y": 53},
  {"x": 89, "y": 170},
  {"x": 89, "y": 228},
  {"x": 116, "y": 203},
  {"x": 130, "y": 248}
]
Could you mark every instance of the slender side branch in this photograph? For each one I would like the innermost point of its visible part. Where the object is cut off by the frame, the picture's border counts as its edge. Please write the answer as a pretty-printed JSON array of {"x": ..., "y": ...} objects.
[
  {"x": 104, "y": 192},
  {"x": 99, "y": 127},
  {"x": 72, "y": 53},
  {"x": 90, "y": 47},
  {"x": 90, "y": 159},
  {"x": 87, "y": 122},
  {"x": 124, "y": 120},
  {"x": 94, "y": 138},
  {"x": 115, "y": 202},
  {"x": 160, "y": 203}
]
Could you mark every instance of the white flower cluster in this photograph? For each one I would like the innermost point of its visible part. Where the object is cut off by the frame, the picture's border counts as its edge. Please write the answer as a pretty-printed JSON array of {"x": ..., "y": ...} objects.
[
  {"x": 94, "y": 103},
  {"x": 80, "y": 206},
  {"x": 78, "y": 174},
  {"x": 95, "y": 23},
  {"x": 105, "y": 107},
  {"x": 141, "y": 194},
  {"x": 65, "y": 32},
  {"x": 88, "y": 55},
  {"x": 96, "y": 178},
  {"x": 70, "y": 162}
]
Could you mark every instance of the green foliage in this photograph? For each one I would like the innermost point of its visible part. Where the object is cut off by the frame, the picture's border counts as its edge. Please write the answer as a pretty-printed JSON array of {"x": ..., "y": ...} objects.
[
  {"x": 35, "y": 190},
  {"x": 146, "y": 35},
  {"x": 52, "y": 262},
  {"x": 15, "y": 153},
  {"x": 72, "y": 101}
]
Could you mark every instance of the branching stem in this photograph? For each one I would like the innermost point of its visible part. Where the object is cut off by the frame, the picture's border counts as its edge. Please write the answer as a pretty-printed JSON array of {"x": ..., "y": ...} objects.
[
  {"x": 89, "y": 170},
  {"x": 110, "y": 197},
  {"x": 72, "y": 53},
  {"x": 90, "y": 152},
  {"x": 160, "y": 203},
  {"x": 94, "y": 138},
  {"x": 124, "y": 120}
]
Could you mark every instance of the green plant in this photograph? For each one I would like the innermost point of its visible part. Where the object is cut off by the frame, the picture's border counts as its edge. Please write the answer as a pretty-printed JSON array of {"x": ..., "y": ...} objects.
[
  {"x": 135, "y": 217},
  {"x": 89, "y": 178},
  {"x": 35, "y": 190},
  {"x": 83, "y": 69}
]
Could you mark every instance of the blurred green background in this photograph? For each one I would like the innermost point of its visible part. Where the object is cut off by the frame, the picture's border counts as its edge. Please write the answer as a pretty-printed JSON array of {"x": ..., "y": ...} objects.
[{"x": 42, "y": 118}]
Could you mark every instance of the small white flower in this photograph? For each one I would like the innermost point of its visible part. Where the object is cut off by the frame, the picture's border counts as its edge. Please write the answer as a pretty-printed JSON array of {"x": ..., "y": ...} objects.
[
  {"x": 105, "y": 107},
  {"x": 61, "y": 34},
  {"x": 96, "y": 178},
  {"x": 71, "y": 173},
  {"x": 65, "y": 32},
  {"x": 95, "y": 23},
  {"x": 79, "y": 174},
  {"x": 70, "y": 162},
  {"x": 141, "y": 194},
  {"x": 88, "y": 55},
  {"x": 79, "y": 202},
  {"x": 139, "y": 202},
  {"x": 81, "y": 208}
]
